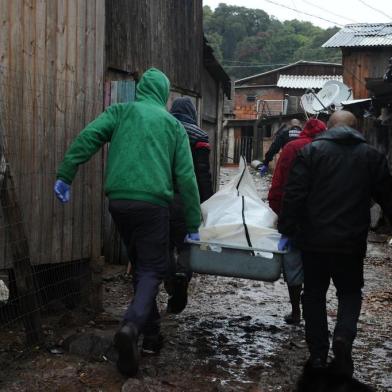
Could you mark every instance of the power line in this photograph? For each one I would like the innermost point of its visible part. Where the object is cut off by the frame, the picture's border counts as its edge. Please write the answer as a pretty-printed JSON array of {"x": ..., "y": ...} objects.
[
  {"x": 257, "y": 65},
  {"x": 304, "y": 13},
  {"x": 249, "y": 66},
  {"x": 238, "y": 63},
  {"x": 330, "y": 12},
  {"x": 375, "y": 9},
  {"x": 249, "y": 63}
]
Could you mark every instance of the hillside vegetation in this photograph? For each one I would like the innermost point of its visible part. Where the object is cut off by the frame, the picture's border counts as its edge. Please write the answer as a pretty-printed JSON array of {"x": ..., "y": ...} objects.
[{"x": 248, "y": 41}]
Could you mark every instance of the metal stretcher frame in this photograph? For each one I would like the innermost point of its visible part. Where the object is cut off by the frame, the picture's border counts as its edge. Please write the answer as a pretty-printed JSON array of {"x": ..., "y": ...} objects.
[{"x": 235, "y": 261}]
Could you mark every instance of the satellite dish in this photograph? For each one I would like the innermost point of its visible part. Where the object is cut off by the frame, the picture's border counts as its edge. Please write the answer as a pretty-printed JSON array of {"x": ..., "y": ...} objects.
[
  {"x": 307, "y": 103},
  {"x": 331, "y": 96}
]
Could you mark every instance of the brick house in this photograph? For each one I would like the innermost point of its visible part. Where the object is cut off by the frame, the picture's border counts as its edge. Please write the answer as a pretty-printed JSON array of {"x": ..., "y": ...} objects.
[{"x": 262, "y": 102}]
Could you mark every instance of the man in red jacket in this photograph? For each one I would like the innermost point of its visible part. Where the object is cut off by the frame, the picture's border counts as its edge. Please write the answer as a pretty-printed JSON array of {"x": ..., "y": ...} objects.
[{"x": 292, "y": 264}]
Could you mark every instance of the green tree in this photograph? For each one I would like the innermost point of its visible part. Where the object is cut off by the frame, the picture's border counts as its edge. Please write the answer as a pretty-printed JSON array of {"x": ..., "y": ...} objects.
[
  {"x": 234, "y": 24},
  {"x": 249, "y": 41},
  {"x": 215, "y": 41}
]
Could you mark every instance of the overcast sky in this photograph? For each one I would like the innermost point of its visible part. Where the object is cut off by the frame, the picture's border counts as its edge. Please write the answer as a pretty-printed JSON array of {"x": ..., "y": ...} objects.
[{"x": 340, "y": 12}]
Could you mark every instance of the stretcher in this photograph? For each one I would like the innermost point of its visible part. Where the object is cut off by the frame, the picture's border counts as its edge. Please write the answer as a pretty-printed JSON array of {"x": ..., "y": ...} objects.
[{"x": 235, "y": 261}]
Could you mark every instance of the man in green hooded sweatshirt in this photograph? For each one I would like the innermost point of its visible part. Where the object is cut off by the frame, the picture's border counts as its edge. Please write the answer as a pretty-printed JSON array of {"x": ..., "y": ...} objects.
[{"x": 149, "y": 150}]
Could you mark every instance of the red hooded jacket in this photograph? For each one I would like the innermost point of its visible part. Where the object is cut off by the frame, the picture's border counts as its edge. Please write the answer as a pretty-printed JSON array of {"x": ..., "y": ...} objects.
[{"x": 281, "y": 173}]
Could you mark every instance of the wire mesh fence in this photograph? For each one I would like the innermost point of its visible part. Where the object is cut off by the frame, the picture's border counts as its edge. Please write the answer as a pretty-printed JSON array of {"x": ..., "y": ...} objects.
[{"x": 46, "y": 249}]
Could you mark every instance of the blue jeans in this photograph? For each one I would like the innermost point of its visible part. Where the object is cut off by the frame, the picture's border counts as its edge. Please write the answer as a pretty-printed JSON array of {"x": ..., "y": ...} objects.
[{"x": 144, "y": 229}]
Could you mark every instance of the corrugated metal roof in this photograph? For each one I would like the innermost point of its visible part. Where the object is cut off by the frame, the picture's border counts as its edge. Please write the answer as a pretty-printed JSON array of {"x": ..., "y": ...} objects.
[
  {"x": 362, "y": 34},
  {"x": 306, "y": 81}
]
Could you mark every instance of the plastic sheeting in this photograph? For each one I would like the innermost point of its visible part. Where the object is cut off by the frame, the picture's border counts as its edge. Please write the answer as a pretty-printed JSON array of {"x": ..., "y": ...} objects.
[{"x": 236, "y": 216}]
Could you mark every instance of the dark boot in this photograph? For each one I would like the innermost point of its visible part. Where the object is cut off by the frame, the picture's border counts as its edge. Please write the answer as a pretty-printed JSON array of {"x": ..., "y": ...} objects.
[
  {"x": 152, "y": 344},
  {"x": 178, "y": 294},
  {"x": 314, "y": 377},
  {"x": 125, "y": 342},
  {"x": 343, "y": 363},
  {"x": 295, "y": 299},
  {"x": 316, "y": 364}
]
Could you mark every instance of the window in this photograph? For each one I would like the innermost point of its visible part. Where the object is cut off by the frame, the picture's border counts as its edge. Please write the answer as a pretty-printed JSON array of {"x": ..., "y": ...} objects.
[{"x": 251, "y": 98}]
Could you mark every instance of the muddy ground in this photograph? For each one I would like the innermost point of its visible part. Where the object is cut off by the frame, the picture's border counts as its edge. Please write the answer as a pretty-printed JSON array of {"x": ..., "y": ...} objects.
[{"x": 231, "y": 337}]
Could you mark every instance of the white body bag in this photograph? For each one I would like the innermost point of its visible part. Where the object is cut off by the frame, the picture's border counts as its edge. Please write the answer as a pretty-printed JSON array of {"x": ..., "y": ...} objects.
[{"x": 236, "y": 216}]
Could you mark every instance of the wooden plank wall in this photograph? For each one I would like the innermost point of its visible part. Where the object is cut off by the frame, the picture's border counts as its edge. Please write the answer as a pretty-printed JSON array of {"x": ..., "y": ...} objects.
[
  {"x": 51, "y": 85},
  {"x": 362, "y": 63},
  {"x": 116, "y": 91},
  {"x": 209, "y": 123},
  {"x": 356, "y": 70},
  {"x": 159, "y": 33},
  {"x": 379, "y": 136}
]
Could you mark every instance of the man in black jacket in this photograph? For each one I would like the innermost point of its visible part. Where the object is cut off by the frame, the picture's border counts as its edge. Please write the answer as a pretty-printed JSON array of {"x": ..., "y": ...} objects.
[
  {"x": 283, "y": 136},
  {"x": 326, "y": 213}
]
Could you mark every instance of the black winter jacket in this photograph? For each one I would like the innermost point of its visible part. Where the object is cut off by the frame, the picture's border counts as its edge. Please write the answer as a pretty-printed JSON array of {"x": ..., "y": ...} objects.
[
  {"x": 326, "y": 206},
  {"x": 184, "y": 110},
  {"x": 283, "y": 136},
  {"x": 201, "y": 161}
]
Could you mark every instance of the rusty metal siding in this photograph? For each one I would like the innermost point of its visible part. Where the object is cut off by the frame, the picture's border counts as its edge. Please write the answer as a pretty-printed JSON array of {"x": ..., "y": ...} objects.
[
  {"x": 51, "y": 82},
  {"x": 159, "y": 33}
]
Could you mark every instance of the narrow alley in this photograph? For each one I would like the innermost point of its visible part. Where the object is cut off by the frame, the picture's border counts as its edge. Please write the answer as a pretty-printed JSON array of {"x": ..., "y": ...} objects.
[{"x": 231, "y": 337}]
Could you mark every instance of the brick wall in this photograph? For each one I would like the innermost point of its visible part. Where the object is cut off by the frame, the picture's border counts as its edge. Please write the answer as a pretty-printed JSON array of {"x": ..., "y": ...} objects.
[{"x": 245, "y": 109}]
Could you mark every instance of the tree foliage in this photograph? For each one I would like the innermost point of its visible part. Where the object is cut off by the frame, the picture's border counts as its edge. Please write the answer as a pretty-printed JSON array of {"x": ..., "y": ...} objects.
[{"x": 249, "y": 41}]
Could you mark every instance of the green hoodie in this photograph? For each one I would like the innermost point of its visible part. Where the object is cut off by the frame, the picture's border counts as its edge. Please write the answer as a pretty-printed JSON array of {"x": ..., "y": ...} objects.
[{"x": 149, "y": 150}]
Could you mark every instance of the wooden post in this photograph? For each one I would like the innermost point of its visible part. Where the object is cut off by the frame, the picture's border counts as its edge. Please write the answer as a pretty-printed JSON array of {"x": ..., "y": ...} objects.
[
  {"x": 27, "y": 299},
  {"x": 218, "y": 137},
  {"x": 256, "y": 153}
]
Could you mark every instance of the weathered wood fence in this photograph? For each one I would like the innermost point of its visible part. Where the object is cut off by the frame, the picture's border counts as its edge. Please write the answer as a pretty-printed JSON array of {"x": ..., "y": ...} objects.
[{"x": 51, "y": 86}]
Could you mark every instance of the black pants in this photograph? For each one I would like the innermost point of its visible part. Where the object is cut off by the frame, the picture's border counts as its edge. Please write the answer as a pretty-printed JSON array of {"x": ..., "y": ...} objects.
[
  {"x": 144, "y": 229},
  {"x": 346, "y": 272},
  {"x": 178, "y": 231}
]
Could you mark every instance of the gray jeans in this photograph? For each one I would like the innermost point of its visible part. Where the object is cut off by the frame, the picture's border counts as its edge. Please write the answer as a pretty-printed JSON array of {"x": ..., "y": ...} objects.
[{"x": 293, "y": 271}]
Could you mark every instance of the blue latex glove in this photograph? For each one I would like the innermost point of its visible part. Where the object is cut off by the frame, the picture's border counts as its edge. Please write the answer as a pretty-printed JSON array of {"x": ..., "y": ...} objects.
[
  {"x": 284, "y": 243},
  {"x": 192, "y": 237},
  {"x": 263, "y": 170},
  {"x": 62, "y": 191}
]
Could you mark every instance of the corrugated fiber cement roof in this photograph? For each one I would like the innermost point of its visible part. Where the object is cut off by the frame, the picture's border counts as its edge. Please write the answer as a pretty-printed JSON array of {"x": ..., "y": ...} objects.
[
  {"x": 306, "y": 81},
  {"x": 362, "y": 34}
]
